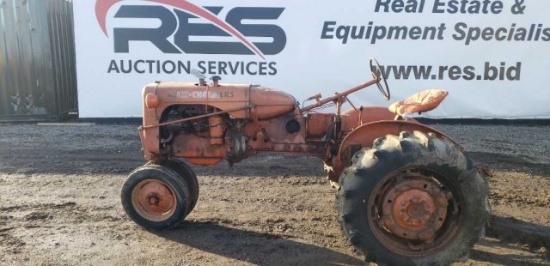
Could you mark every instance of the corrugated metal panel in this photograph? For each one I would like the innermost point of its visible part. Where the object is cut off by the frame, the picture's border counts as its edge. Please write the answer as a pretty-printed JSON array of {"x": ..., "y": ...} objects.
[{"x": 37, "y": 62}]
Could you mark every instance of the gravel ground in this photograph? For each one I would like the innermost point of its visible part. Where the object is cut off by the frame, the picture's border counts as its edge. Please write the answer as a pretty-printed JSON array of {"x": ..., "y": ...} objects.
[{"x": 60, "y": 202}]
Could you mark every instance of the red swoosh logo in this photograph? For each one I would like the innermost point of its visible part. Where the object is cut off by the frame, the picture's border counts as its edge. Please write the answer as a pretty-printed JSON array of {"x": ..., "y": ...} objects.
[{"x": 103, "y": 6}]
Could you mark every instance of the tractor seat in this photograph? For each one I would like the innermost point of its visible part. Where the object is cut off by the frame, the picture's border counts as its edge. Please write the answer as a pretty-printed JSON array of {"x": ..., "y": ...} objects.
[{"x": 419, "y": 102}]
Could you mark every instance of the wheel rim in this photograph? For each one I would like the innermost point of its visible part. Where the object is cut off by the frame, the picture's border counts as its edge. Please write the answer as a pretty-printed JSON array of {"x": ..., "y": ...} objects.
[
  {"x": 154, "y": 200},
  {"x": 414, "y": 212}
]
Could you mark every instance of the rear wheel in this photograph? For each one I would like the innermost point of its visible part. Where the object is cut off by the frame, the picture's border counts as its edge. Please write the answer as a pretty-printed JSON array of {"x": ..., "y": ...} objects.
[
  {"x": 413, "y": 199},
  {"x": 155, "y": 197}
]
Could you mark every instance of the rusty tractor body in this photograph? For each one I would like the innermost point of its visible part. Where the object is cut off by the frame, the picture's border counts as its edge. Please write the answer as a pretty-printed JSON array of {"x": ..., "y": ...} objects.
[{"x": 401, "y": 189}]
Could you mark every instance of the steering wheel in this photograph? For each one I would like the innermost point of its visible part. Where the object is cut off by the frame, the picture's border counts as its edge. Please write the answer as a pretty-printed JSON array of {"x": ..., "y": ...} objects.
[{"x": 379, "y": 76}]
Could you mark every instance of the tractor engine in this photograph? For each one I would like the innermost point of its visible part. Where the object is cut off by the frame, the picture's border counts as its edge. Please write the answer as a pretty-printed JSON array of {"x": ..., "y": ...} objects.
[
  {"x": 207, "y": 123},
  {"x": 206, "y": 127},
  {"x": 203, "y": 141}
]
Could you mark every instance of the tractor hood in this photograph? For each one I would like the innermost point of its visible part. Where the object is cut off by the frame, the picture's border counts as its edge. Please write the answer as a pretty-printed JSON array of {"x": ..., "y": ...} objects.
[{"x": 267, "y": 103}]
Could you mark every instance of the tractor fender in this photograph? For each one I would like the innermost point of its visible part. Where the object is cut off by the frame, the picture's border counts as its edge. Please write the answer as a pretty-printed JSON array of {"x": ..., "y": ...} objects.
[
  {"x": 363, "y": 136},
  {"x": 368, "y": 115}
]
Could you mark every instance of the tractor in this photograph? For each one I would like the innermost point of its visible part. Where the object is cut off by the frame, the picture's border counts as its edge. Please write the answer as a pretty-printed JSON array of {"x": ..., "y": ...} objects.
[{"x": 406, "y": 193}]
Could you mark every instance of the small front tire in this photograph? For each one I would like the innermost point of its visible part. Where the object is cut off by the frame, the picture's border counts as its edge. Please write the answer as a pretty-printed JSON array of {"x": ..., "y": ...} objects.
[
  {"x": 187, "y": 175},
  {"x": 155, "y": 197}
]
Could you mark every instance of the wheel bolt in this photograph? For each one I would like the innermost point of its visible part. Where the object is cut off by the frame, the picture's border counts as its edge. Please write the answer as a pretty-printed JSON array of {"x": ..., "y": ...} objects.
[{"x": 153, "y": 200}]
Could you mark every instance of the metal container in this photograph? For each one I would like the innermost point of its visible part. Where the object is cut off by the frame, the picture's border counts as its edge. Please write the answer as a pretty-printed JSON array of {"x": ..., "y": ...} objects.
[{"x": 37, "y": 60}]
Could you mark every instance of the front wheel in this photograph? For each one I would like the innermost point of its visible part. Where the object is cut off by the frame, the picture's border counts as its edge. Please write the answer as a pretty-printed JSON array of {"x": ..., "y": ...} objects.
[
  {"x": 187, "y": 175},
  {"x": 155, "y": 197},
  {"x": 413, "y": 199}
]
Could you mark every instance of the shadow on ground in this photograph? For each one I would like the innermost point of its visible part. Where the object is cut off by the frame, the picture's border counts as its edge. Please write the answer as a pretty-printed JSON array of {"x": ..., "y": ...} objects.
[
  {"x": 527, "y": 237},
  {"x": 483, "y": 252},
  {"x": 269, "y": 249},
  {"x": 253, "y": 247},
  {"x": 512, "y": 230}
]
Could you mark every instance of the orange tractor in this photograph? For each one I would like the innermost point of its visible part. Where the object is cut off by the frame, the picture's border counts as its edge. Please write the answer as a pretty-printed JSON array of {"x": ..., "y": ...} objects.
[{"x": 406, "y": 193}]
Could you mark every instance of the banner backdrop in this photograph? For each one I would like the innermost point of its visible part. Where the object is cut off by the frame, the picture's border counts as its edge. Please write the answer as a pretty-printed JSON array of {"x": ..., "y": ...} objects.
[{"x": 492, "y": 56}]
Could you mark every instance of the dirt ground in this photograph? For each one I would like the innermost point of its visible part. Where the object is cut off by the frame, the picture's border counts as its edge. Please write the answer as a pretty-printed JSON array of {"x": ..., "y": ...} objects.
[{"x": 60, "y": 203}]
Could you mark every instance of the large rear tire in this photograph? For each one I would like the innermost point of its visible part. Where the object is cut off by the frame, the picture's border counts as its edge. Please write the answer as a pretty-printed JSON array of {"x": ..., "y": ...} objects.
[
  {"x": 155, "y": 197},
  {"x": 413, "y": 199}
]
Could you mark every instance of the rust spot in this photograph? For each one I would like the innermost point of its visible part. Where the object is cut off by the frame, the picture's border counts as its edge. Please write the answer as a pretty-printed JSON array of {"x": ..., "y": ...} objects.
[{"x": 415, "y": 206}]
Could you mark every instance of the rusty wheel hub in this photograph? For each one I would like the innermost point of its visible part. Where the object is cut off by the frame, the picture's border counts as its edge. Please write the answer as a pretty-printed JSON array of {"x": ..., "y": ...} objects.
[
  {"x": 414, "y": 208},
  {"x": 154, "y": 200}
]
